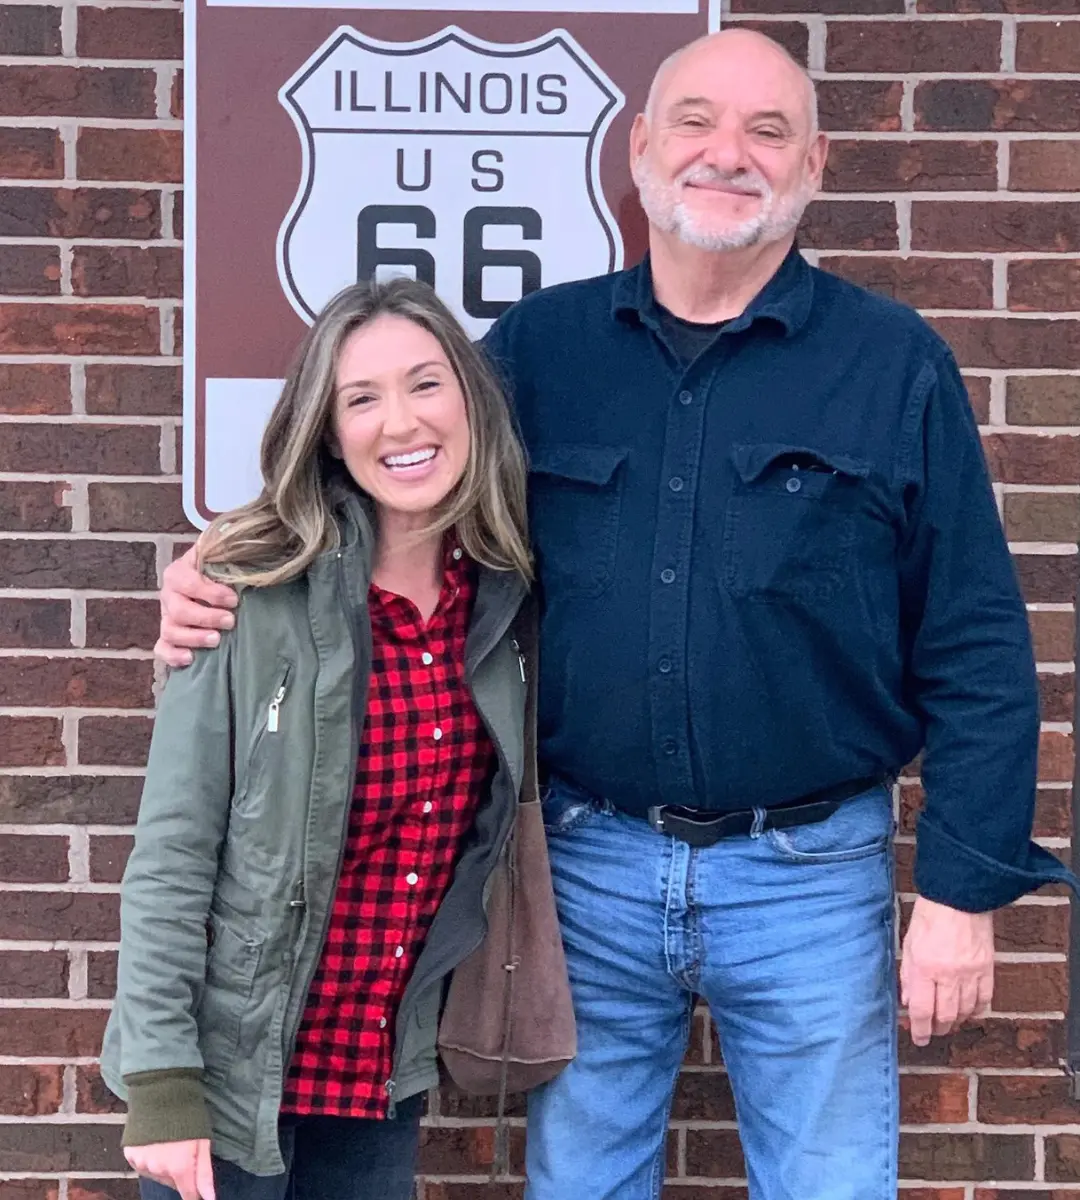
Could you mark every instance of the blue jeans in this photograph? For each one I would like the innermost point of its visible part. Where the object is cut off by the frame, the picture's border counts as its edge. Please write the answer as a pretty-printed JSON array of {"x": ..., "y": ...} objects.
[
  {"x": 328, "y": 1158},
  {"x": 789, "y": 938}
]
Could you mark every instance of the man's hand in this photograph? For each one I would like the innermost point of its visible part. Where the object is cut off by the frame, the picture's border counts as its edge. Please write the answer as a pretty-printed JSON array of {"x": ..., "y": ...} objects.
[
  {"x": 183, "y": 1166},
  {"x": 192, "y": 611},
  {"x": 947, "y": 968}
]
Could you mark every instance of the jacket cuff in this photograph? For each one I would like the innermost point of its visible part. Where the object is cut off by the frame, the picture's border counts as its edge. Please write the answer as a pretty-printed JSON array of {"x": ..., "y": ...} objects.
[
  {"x": 959, "y": 876},
  {"x": 165, "y": 1106}
]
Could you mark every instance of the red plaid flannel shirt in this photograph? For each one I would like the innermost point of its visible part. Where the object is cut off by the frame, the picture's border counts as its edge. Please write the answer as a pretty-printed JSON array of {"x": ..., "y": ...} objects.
[{"x": 424, "y": 760}]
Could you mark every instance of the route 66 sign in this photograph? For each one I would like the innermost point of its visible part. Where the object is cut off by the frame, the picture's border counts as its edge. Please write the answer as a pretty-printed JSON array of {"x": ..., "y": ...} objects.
[
  {"x": 478, "y": 144},
  {"x": 469, "y": 164}
]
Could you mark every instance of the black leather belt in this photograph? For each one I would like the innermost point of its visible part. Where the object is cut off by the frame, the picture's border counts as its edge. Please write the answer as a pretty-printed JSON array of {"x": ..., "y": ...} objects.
[{"x": 699, "y": 827}]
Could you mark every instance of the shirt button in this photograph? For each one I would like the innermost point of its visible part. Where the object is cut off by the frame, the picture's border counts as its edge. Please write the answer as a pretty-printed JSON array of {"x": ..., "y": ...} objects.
[
  {"x": 412, "y": 878},
  {"x": 671, "y": 746},
  {"x": 664, "y": 666},
  {"x": 427, "y": 659},
  {"x": 428, "y": 806},
  {"x": 457, "y": 554},
  {"x": 382, "y": 1022},
  {"x": 675, "y": 483},
  {"x": 437, "y": 735},
  {"x": 667, "y": 575},
  {"x": 793, "y": 485},
  {"x": 399, "y": 952},
  {"x": 686, "y": 397}
]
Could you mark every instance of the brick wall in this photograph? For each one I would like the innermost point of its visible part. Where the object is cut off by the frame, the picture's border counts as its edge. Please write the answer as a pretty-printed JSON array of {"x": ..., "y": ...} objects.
[{"x": 953, "y": 185}]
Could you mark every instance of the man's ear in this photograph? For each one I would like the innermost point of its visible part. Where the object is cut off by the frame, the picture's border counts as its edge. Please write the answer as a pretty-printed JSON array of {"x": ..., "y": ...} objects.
[{"x": 639, "y": 139}]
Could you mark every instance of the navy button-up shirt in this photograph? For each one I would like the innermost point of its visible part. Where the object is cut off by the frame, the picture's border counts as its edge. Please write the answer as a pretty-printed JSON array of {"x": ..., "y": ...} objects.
[{"x": 776, "y": 569}]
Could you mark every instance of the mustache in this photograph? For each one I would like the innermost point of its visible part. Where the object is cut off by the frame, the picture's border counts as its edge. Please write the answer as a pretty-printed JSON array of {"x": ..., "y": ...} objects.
[{"x": 744, "y": 181}]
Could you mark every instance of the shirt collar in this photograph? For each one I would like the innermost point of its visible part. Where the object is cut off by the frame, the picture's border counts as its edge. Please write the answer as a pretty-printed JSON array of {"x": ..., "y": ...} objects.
[{"x": 786, "y": 298}]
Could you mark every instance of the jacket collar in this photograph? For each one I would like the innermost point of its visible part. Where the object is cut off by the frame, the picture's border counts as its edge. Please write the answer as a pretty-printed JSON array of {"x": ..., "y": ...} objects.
[{"x": 786, "y": 299}]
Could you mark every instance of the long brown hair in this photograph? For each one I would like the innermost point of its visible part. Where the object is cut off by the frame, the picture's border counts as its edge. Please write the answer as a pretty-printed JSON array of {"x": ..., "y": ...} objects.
[{"x": 276, "y": 536}]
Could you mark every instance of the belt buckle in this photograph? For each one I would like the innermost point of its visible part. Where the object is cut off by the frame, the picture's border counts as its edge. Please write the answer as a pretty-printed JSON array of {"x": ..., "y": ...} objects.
[{"x": 655, "y": 817}]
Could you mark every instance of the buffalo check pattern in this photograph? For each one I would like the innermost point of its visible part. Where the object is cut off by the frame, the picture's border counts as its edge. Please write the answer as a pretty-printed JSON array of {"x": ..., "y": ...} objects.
[{"x": 424, "y": 761}]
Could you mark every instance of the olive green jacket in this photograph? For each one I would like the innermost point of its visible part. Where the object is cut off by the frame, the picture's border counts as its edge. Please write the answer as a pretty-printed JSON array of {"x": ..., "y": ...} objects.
[{"x": 228, "y": 891}]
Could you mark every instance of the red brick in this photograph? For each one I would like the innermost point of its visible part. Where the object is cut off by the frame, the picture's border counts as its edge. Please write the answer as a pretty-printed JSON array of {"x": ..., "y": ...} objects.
[
  {"x": 33, "y": 974},
  {"x": 176, "y": 95},
  {"x": 137, "y": 508},
  {"x": 794, "y": 36},
  {"x": 1055, "y": 749},
  {"x": 454, "y": 1151},
  {"x": 1031, "y": 987},
  {"x": 78, "y": 329},
  {"x": 1032, "y": 928},
  {"x": 54, "y": 1032},
  {"x": 108, "y": 857},
  {"x": 31, "y": 153},
  {"x": 850, "y": 105},
  {"x": 103, "y": 1189},
  {"x": 1044, "y": 285},
  {"x": 84, "y": 212},
  {"x": 1033, "y": 457},
  {"x": 1047, "y": 578},
  {"x": 828, "y": 7},
  {"x": 849, "y": 225},
  {"x": 91, "y": 1094},
  {"x": 86, "y": 682},
  {"x": 154, "y": 272},
  {"x": 1044, "y": 166},
  {"x": 924, "y": 166},
  {"x": 714, "y": 1153},
  {"x": 1023, "y": 1043},
  {"x": 1042, "y": 517},
  {"x": 151, "y": 155},
  {"x": 33, "y": 859},
  {"x": 1048, "y": 46},
  {"x": 101, "y": 974},
  {"x": 897, "y": 47},
  {"x": 1025, "y": 1099},
  {"x": 29, "y": 29},
  {"x": 34, "y": 388},
  {"x": 27, "y": 624},
  {"x": 85, "y": 449},
  {"x": 34, "y": 507},
  {"x": 1043, "y": 400},
  {"x": 1001, "y": 342},
  {"x": 703, "y": 1096},
  {"x": 69, "y": 800},
  {"x": 47, "y": 91},
  {"x": 96, "y": 563},
  {"x": 933, "y": 1099},
  {"x": 31, "y": 1091},
  {"x": 967, "y": 1156},
  {"x": 1001, "y": 227},
  {"x": 115, "y": 624},
  {"x": 30, "y": 270},
  {"x": 45, "y": 1146},
  {"x": 60, "y": 916},
  {"x": 1063, "y": 1157},
  {"x": 920, "y": 282},
  {"x": 125, "y": 32},
  {"x": 1054, "y": 634},
  {"x": 30, "y": 742},
  {"x": 1032, "y": 7},
  {"x": 133, "y": 390},
  {"x": 114, "y": 741},
  {"x": 1000, "y": 105},
  {"x": 978, "y": 390},
  {"x": 29, "y": 1189}
]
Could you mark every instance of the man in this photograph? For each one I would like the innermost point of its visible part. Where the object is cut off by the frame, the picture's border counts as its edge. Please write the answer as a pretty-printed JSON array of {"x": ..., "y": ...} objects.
[{"x": 772, "y": 573}]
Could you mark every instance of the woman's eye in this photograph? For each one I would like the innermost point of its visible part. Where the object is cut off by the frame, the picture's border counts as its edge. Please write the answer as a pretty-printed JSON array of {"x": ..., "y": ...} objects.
[
  {"x": 358, "y": 399},
  {"x": 425, "y": 385}
]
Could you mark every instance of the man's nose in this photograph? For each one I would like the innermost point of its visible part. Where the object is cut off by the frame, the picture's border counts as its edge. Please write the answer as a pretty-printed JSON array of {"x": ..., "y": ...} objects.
[{"x": 726, "y": 150}]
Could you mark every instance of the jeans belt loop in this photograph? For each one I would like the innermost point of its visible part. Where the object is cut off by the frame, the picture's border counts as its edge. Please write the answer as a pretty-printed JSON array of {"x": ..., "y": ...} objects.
[{"x": 759, "y": 822}]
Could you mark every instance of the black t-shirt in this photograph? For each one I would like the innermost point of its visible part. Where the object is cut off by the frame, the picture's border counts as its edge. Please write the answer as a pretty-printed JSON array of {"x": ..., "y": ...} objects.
[{"x": 687, "y": 338}]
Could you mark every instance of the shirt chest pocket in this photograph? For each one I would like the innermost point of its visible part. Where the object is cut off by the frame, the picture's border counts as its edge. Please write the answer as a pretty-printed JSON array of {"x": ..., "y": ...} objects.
[
  {"x": 575, "y": 501},
  {"x": 790, "y": 525}
]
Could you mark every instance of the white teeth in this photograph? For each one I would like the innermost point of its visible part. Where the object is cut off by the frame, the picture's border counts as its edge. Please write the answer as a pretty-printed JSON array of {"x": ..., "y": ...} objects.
[{"x": 411, "y": 459}]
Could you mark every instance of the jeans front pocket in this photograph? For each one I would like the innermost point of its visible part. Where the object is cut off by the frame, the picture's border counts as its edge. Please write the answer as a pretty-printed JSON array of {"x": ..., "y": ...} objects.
[
  {"x": 575, "y": 499},
  {"x": 566, "y": 808},
  {"x": 790, "y": 524},
  {"x": 860, "y": 827}
]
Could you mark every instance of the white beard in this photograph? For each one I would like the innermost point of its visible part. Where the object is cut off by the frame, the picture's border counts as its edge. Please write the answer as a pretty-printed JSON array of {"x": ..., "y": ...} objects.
[{"x": 775, "y": 219}]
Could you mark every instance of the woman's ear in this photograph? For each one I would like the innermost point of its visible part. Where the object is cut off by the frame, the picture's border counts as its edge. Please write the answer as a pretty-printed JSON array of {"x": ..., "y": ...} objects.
[{"x": 333, "y": 446}]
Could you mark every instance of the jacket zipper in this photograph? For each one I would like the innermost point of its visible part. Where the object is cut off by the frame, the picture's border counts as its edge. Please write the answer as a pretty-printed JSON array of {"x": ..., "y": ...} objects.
[{"x": 274, "y": 711}]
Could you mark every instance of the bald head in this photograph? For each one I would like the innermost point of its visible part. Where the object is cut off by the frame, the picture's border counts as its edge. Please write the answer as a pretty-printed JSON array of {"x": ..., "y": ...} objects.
[{"x": 751, "y": 49}]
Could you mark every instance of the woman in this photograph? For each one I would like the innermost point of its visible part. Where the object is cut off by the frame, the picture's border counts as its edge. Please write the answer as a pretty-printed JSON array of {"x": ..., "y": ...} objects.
[{"x": 327, "y": 795}]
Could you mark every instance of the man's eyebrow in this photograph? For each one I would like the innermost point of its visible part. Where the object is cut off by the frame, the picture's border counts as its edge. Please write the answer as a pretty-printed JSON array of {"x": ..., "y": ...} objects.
[{"x": 690, "y": 102}]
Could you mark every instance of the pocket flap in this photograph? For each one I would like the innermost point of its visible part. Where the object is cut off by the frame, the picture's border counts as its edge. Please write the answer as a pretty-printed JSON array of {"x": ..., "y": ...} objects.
[
  {"x": 751, "y": 462},
  {"x": 585, "y": 464}
]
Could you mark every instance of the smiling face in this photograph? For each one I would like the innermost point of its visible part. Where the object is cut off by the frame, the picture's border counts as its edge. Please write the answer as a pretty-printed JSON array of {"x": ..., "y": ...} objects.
[
  {"x": 728, "y": 156},
  {"x": 399, "y": 422}
]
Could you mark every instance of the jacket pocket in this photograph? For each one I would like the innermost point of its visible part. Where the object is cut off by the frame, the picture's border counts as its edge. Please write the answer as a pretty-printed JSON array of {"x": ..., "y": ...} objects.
[
  {"x": 232, "y": 961},
  {"x": 268, "y": 734},
  {"x": 789, "y": 528},
  {"x": 575, "y": 499}
]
